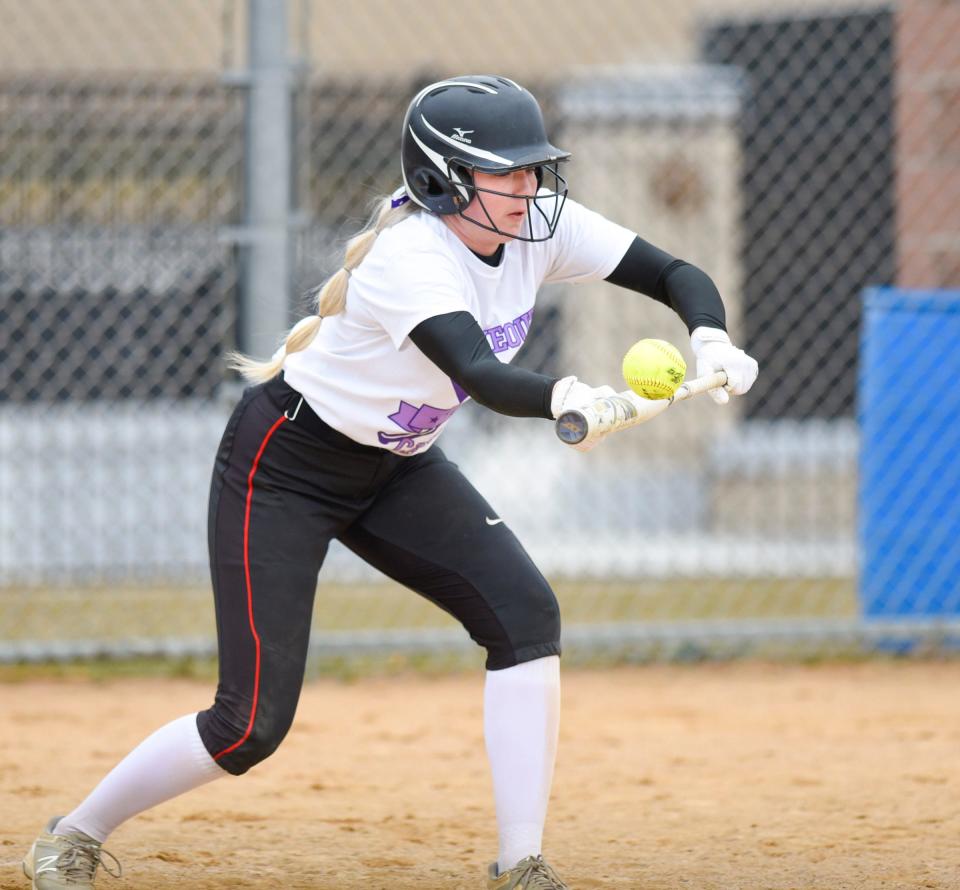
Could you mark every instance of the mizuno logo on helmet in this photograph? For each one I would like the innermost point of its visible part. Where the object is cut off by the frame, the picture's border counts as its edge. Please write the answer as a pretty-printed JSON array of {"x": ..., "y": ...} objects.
[
  {"x": 452, "y": 140},
  {"x": 461, "y": 135}
]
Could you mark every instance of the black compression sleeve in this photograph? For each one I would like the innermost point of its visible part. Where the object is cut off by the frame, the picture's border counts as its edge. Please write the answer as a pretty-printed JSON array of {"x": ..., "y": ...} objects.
[
  {"x": 457, "y": 346},
  {"x": 687, "y": 290},
  {"x": 642, "y": 268}
]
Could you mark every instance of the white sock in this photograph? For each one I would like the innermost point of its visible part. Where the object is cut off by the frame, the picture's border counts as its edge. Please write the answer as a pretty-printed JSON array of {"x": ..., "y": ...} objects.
[
  {"x": 171, "y": 761},
  {"x": 521, "y": 719}
]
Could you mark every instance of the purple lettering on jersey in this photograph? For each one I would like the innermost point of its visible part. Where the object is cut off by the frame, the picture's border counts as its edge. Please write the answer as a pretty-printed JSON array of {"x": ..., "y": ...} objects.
[
  {"x": 510, "y": 335},
  {"x": 523, "y": 324},
  {"x": 408, "y": 446},
  {"x": 498, "y": 342},
  {"x": 422, "y": 421}
]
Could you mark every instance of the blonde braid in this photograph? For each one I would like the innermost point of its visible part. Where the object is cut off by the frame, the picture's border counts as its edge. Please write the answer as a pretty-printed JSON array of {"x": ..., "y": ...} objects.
[{"x": 331, "y": 297}]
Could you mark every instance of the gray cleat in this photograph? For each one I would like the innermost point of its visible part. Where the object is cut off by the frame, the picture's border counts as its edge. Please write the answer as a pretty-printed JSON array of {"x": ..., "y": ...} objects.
[
  {"x": 65, "y": 862},
  {"x": 531, "y": 873}
]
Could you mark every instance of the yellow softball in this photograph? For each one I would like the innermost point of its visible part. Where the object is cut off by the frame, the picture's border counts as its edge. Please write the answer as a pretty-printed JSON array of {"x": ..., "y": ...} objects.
[{"x": 654, "y": 368}]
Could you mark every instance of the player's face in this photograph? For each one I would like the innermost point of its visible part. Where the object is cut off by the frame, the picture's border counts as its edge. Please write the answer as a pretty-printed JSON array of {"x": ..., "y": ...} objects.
[{"x": 506, "y": 211}]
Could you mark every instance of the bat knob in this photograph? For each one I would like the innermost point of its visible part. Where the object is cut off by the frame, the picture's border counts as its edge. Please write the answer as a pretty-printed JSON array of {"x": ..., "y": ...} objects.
[{"x": 571, "y": 427}]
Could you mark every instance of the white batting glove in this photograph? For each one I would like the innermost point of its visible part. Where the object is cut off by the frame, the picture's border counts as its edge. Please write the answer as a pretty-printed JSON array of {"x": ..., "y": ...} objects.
[
  {"x": 715, "y": 352},
  {"x": 568, "y": 394}
]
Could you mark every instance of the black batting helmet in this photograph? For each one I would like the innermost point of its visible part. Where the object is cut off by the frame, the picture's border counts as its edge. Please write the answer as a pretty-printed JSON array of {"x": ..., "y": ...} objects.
[{"x": 479, "y": 122}]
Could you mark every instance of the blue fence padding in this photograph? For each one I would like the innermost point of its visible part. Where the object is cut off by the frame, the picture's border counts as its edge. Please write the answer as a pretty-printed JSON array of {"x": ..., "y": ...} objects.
[{"x": 909, "y": 391}]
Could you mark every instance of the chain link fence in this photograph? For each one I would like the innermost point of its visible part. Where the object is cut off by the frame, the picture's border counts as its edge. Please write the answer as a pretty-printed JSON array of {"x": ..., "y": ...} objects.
[{"x": 799, "y": 153}]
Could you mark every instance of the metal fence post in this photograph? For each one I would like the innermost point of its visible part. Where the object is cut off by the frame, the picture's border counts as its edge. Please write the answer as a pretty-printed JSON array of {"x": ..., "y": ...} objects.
[{"x": 266, "y": 267}]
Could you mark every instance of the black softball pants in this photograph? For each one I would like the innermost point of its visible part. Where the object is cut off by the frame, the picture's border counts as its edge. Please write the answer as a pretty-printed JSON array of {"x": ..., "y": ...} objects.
[{"x": 284, "y": 485}]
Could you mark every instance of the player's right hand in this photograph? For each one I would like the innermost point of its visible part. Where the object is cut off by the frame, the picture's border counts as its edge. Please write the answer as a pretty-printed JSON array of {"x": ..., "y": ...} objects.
[{"x": 569, "y": 393}]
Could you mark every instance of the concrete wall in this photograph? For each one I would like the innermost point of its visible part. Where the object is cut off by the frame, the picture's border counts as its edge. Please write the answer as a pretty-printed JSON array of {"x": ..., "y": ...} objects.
[{"x": 928, "y": 144}]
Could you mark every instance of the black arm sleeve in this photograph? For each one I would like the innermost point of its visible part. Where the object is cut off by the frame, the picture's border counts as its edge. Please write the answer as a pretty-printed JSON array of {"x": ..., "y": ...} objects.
[
  {"x": 457, "y": 346},
  {"x": 687, "y": 290}
]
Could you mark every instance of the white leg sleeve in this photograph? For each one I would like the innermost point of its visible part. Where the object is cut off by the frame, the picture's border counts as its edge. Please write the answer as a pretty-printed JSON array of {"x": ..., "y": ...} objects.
[
  {"x": 521, "y": 722},
  {"x": 171, "y": 761}
]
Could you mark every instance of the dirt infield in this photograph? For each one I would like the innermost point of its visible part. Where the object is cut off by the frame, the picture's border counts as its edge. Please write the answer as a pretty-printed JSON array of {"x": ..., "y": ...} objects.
[{"x": 714, "y": 777}]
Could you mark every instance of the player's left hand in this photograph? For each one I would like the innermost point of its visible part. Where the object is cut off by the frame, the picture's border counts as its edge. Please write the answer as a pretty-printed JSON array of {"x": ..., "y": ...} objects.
[
  {"x": 568, "y": 394},
  {"x": 715, "y": 352}
]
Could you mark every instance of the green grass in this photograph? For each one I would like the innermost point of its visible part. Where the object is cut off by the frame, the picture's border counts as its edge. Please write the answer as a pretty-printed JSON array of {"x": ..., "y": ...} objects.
[
  {"x": 346, "y": 669},
  {"x": 101, "y": 670},
  {"x": 115, "y": 613},
  {"x": 119, "y": 613}
]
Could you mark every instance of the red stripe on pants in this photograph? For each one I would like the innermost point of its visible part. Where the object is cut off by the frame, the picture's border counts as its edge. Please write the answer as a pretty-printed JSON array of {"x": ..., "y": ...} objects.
[{"x": 246, "y": 569}]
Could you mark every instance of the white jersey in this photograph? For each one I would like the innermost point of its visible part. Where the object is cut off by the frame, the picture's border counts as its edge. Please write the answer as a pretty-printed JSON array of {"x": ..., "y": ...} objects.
[{"x": 364, "y": 376}]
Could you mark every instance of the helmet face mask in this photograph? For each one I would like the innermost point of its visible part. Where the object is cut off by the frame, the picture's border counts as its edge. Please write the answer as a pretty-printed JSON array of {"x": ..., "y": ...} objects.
[
  {"x": 545, "y": 204},
  {"x": 480, "y": 123}
]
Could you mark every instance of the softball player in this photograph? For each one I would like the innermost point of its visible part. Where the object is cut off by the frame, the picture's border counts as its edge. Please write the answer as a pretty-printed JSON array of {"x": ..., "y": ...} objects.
[{"x": 336, "y": 439}]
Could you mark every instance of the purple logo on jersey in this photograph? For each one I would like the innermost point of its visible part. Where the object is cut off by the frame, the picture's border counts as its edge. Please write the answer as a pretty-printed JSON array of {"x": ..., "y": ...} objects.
[
  {"x": 417, "y": 422},
  {"x": 510, "y": 335}
]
